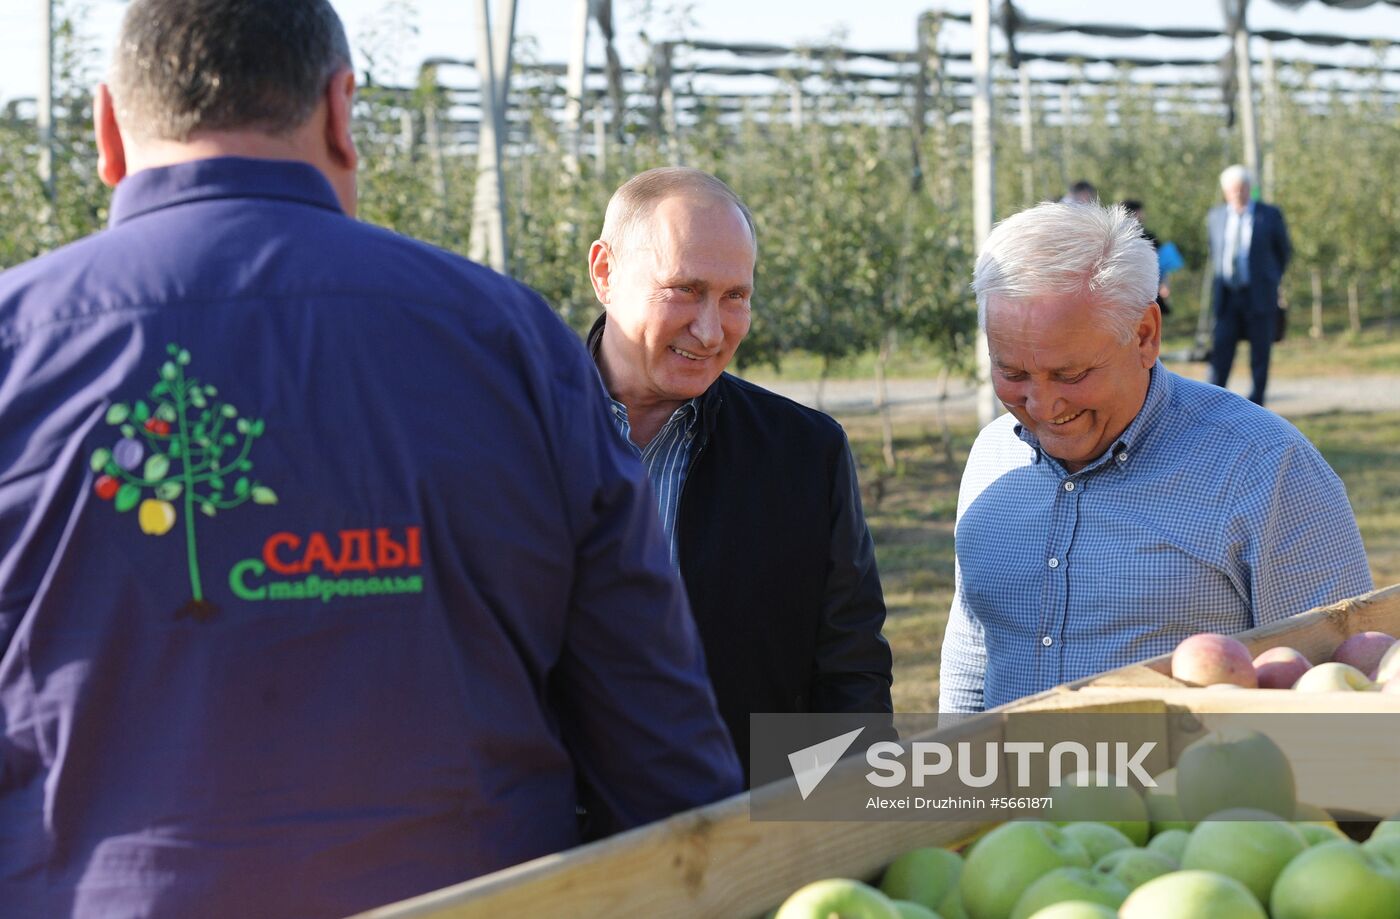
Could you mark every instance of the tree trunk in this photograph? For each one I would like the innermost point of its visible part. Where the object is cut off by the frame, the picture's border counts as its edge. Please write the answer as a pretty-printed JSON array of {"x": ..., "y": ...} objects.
[
  {"x": 944, "y": 430},
  {"x": 1316, "y": 330},
  {"x": 882, "y": 398},
  {"x": 1354, "y": 307}
]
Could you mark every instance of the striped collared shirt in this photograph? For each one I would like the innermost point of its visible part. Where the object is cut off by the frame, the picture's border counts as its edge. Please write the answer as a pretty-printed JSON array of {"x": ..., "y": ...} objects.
[
  {"x": 667, "y": 459},
  {"x": 1208, "y": 514}
]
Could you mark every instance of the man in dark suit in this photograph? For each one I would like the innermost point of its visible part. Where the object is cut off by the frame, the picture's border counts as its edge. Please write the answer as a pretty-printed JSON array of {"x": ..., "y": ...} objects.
[
  {"x": 757, "y": 494},
  {"x": 1249, "y": 250}
]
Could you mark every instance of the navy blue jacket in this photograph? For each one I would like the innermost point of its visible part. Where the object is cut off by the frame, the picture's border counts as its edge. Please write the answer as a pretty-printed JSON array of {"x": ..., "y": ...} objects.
[
  {"x": 323, "y": 580},
  {"x": 1269, "y": 253}
]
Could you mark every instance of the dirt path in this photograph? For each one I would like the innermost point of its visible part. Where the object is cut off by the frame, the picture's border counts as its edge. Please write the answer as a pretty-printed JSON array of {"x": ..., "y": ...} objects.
[{"x": 1291, "y": 398}]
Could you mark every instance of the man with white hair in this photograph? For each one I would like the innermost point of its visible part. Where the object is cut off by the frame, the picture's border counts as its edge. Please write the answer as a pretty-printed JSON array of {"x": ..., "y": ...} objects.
[
  {"x": 1249, "y": 250},
  {"x": 1119, "y": 507}
]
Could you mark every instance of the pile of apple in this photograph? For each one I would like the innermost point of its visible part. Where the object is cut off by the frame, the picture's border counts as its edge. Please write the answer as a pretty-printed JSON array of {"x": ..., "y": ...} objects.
[
  {"x": 1158, "y": 862},
  {"x": 1367, "y": 661}
]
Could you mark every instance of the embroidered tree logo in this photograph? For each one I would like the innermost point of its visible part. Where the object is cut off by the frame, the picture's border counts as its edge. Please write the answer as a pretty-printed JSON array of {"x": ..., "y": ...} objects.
[{"x": 183, "y": 446}]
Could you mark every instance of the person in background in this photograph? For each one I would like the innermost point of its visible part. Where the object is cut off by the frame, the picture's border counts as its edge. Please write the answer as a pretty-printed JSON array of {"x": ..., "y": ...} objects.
[
  {"x": 758, "y": 494},
  {"x": 1168, "y": 257},
  {"x": 1081, "y": 192},
  {"x": 324, "y": 581},
  {"x": 1118, "y": 508},
  {"x": 1249, "y": 251}
]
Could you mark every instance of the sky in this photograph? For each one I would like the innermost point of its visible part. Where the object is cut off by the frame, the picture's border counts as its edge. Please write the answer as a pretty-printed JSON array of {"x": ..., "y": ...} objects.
[{"x": 448, "y": 27}]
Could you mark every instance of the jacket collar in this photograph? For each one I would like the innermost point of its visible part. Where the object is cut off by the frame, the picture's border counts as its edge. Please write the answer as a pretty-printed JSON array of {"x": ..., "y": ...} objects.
[
  {"x": 220, "y": 177},
  {"x": 710, "y": 400}
]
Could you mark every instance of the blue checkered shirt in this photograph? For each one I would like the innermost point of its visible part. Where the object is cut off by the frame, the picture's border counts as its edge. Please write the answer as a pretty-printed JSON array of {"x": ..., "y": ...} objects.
[
  {"x": 667, "y": 459},
  {"x": 1209, "y": 514}
]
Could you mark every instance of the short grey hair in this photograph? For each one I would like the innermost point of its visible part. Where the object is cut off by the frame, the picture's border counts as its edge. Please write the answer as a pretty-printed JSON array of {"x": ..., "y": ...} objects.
[
  {"x": 1234, "y": 175},
  {"x": 184, "y": 66},
  {"x": 1057, "y": 249},
  {"x": 631, "y": 206}
]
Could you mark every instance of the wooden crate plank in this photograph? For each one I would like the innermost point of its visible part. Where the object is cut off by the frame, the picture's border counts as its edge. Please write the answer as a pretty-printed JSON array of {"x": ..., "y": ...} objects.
[{"x": 710, "y": 862}]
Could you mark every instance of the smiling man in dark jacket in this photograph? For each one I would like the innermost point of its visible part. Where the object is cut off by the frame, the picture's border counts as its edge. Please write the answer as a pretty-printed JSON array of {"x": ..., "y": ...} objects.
[{"x": 757, "y": 494}]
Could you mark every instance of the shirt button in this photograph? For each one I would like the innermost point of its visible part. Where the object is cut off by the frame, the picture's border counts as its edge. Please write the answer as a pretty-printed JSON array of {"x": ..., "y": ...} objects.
[
  {"x": 1069, "y": 486},
  {"x": 1123, "y": 457},
  {"x": 1054, "y": 563},
  {"x": 1047, "y": 641}
]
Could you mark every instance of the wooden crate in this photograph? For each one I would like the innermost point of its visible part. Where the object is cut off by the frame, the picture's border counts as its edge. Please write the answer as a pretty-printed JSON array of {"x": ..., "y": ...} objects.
[
  {"x": 1316, "y": 633},
  {"x": 715, "y": 862}
]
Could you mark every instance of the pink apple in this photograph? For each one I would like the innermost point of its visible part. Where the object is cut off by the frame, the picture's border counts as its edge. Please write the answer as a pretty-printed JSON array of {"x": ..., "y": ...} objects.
[
  {"x": 1333, "y": 677},
  {"x": 1210, "y": 658},
  {"x": 1279, "y": 668},
  {"x": 1364, "y": 651}
]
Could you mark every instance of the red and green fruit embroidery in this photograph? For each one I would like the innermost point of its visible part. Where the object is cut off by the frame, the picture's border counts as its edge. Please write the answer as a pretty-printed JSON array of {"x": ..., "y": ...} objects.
[{"x": 183, "y": 447}]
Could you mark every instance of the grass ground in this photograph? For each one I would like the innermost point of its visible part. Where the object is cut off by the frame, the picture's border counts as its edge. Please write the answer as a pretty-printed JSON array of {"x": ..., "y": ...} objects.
[{"x": 912, "y": 512}]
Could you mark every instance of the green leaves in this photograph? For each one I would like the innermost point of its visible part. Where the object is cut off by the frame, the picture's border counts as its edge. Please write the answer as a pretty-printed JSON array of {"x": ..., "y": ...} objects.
[
  {"x": 169, "y": 491},
  {"x": 264, "y": 495},
  {"x": 100, "y": 458},
  {"x": 156, "y": 467},
  {"x": 118, "y": 413}
]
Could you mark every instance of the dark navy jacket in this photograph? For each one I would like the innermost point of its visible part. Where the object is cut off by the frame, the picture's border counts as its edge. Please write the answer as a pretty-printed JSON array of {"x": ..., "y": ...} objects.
[
  {"x": 1269, "y": 253},
  {"x": 323, "y": 580}
]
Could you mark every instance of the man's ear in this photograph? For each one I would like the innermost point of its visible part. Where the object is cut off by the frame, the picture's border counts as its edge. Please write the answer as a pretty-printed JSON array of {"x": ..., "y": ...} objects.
[
  {"x": 111, "y": 151},
  {"x": 1149, "y": 335},
  {"x": 340, "y": 99},
  {"x": 600, "y": 270}
]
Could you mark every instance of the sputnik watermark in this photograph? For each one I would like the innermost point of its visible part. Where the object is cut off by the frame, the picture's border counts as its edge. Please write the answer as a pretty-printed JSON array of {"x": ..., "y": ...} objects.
[
  {"x": 931, "y": 758},
  {"x": 1113, "y": 764}
]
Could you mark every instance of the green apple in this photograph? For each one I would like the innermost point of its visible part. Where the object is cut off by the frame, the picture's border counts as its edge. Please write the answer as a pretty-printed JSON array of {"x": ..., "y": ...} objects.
[
  {"x": 1336, "y": 879},
  {"x": 1065, "y": 884},
  {"x": 1333, "y": 677},
  {"x": 1250, "y": 846},
  {"x": 1170, "y": 843},
  {"x": 1317, "y": 833},
  {"x": 1387, "y": 847},
  {"x": 1386, "y": 828},
  {"x": 837, "y": 898},
  {"x": 1389, "y": 667},
  {"x": 1098, "y": 839},
  {"x": 926, "y": 876},
  {"x": 1076, "y": 909},
  {"x": 1234, "y": 768},
  {"x": 1080, "y": 797},
  {"x": 1163, "y": 807},
  {"x": 1008, "y": 860},
  {"x": 1135, "y": 867},
  {"x": 908, "y": 909},
  {"x": 1192, "y": 895}
]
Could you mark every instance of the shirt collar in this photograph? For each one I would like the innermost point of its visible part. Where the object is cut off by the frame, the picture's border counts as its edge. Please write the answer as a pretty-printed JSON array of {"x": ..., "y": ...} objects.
[
  {"x": 220, "y": 177},
  {"x": 1134, "y": 436}
]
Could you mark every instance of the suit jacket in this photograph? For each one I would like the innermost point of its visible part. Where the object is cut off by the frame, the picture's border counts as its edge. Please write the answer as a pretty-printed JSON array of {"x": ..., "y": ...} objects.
[{"x": 1269, "y": 252}]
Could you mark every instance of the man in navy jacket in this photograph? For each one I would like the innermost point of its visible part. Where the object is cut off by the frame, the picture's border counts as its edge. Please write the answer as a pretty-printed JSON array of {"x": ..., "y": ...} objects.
[
  {"x": 758, "y": 494},
  {"x": 1249, "y": 250},
  {"x": 323, "y": 580}
]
